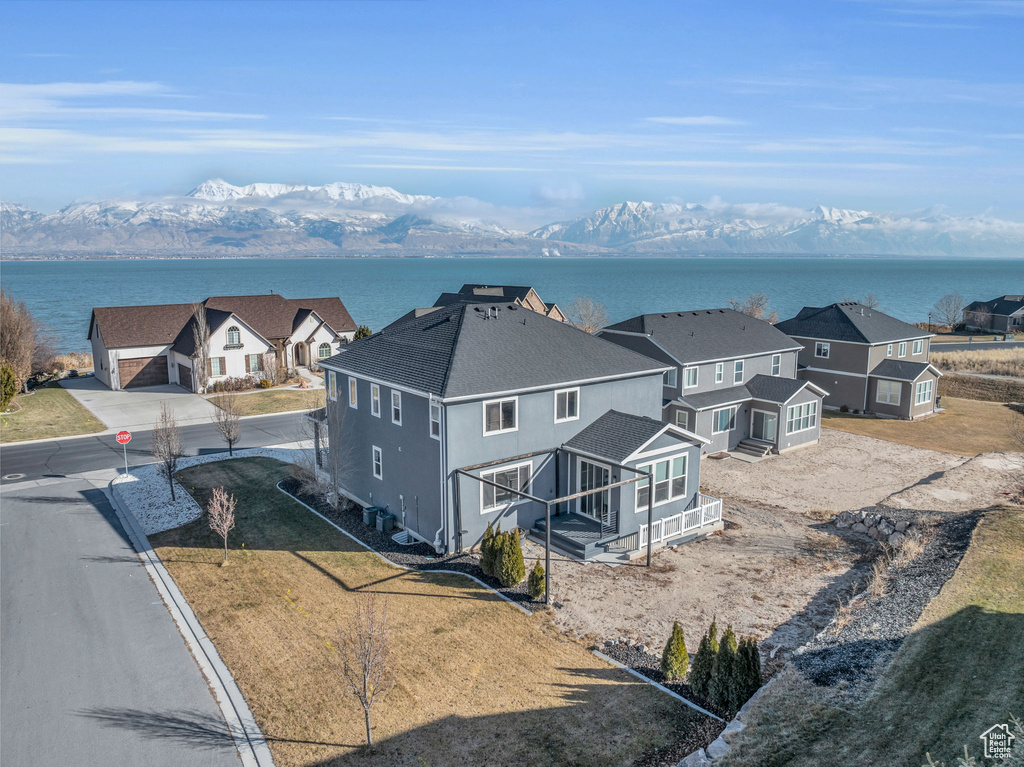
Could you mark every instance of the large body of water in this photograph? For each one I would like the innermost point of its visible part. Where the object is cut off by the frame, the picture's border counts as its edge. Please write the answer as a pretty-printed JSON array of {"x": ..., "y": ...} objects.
[{"x": 378, "y": 290}]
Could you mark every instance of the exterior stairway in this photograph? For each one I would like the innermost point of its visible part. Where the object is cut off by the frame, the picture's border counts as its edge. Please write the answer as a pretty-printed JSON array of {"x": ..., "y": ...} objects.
[{"x": 755, "y": 448}]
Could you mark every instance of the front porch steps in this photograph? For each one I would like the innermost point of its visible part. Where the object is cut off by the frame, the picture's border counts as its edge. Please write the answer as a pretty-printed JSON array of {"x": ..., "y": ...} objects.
[{"x": 755, "y": 448}]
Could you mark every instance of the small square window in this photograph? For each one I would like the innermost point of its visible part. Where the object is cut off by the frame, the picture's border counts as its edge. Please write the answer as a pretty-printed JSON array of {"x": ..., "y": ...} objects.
[
  {"x": 669, "y": 378},
  {"x": 821, "y": 350},
  {"x": 918, "y": 347},
  {"x": 500, "y": 416},
  {"x": 567, "y": 405},
  {"x": 690, "y": 377},
  {"x": 682, "y": 419}
]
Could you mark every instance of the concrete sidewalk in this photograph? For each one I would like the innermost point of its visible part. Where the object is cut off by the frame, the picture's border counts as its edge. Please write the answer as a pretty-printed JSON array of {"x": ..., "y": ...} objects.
[{"x": 138, "y": 409}]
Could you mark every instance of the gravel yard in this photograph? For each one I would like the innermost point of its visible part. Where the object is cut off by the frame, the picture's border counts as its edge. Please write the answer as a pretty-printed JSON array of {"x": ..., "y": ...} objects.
[{"x": 776, "y": 572}]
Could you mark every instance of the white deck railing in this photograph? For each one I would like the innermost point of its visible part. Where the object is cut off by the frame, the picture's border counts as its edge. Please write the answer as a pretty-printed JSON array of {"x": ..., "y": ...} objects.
[{"x": 707, "y": 511}]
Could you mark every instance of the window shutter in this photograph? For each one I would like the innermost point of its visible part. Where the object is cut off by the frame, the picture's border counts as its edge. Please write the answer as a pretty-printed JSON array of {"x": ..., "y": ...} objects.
[
  {"x": 248, "y": 367},
  {"x": 209, "y": 366}
]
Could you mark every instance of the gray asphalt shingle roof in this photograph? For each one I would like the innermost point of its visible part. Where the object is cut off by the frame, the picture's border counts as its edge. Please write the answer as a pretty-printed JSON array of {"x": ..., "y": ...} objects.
[
  {"x": 616, "y": 435},
  {"x": 762, "y": 387},
  {"x": 900, "y": 370},
  {"x": 851, "y": 322},
  {"x": 707, "y": 334},
  {"x": 1004, "y": 305},
  {"x": 472, "y": 349}
]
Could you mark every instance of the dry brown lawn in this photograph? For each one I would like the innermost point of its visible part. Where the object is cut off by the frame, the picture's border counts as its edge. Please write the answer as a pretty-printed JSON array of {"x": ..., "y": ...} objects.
[
  {"x": 274, "y": 401},
  {"x": 47, "y": 413},
  {"x": 479, "y": 682},
  {"x": 1000, "y": 362},
  {"x": 968, "y": 427}
]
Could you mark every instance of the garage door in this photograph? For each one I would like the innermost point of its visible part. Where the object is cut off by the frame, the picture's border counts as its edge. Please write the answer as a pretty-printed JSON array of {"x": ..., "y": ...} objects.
[
  {"x": 142, "y": 371},
  {"x": 185, "y": 376}
]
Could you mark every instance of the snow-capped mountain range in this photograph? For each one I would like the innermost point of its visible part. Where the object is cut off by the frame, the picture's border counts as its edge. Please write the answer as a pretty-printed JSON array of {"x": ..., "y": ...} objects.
[{"x": 220, "y": 219}]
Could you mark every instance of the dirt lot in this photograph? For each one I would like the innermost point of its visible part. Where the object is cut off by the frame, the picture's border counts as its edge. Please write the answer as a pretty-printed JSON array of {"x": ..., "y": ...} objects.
[{"x": 776, "y": 572}]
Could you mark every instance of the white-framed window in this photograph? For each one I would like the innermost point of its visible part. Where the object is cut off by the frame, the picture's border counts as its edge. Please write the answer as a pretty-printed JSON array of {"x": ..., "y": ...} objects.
[
  {"x": 669, "y": 482},
  {"x": 501, "y": 415},
  {"x": 690, "y": 377},
  {"x": 513, "y": 477},
  {"x": 918, "y": 346},
  {"x": 682, "y": 419},
  {"x": 719, "y": 372},
  {"x": 737, "y": 373},
  {"x": 332, "y": 385},
  {"x": 723, "y": 420},
  {"x": 254, "y": 363},
  {"x": 801, "y": 417},
  {"x": 353, "y": 393},
  {"x": 216, "y": 366},
  {"x": 889, "y": 392},
  {"x": 435, "y": 420},
  {"x": 888, "y": 350},
  {"x": 776, "y": 364},
  {"x": 668, "y": 378},
  {"x": 567, "y": 405},
  {"x": 378, "y": 463},
  {"x": 396, "y": 407},
  {"x": 923, "y": 392},
  {"x": 323, "y": 351},
  {"x": 902, "y": 349},
  {"x": 234, "y": 336},
  {"x": 375, "y": 400},
  {"x": 821, "y": 349}
]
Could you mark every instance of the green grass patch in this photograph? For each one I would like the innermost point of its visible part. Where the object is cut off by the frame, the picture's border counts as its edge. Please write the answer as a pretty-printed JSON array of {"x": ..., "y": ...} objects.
[
  {"x": 479, "y": 682},
  {"x": 48, "y": 412}
]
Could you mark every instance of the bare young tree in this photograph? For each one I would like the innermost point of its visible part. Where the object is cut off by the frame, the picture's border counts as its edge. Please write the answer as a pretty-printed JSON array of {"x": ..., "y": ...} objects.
[
  {"x": 272, "y": 369},
  {"x": 755, "y": 305},
  {"x": 367, "y": 668},
  {"x": 587, "y": 314},
  {"x": 168, "y": 447},
  {"x": 18, "y": 337},
  {"x": 227, "y": 417},
  {"x": 871, "y": 301},
  {"x": 201, "y": 341},
  {"x": 949, "y": 310},
  {"x": 982, "y": 318},
  {"x": 312, "y": 432},
  {"x": 221, "y": 511}
]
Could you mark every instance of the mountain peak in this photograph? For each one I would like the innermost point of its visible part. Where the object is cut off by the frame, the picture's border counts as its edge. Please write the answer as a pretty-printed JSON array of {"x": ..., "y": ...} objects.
[{"x": 219, "y": 190}]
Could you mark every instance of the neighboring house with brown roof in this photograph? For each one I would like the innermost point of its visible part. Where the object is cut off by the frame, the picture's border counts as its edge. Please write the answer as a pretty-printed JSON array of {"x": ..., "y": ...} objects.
[{"x": 150, "y": 345}]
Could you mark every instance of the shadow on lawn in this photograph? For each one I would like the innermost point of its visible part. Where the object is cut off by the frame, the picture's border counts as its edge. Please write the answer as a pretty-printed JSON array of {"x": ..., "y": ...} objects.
[{"x": 560, "y": 735}]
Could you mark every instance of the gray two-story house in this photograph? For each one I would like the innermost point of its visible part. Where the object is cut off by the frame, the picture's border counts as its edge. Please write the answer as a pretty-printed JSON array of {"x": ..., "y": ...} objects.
[
  {"x": 475, "y": 414},
  {"x": 1000, "y": 315},
  {"x": 732, "y": 379},
  {"x": 866, "y": 360}
]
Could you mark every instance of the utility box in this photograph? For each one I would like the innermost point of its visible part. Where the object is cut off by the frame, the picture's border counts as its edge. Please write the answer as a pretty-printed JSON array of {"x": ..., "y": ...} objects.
[
  {"x": 370, "y": 515},
  {"x": 385, "y": 521}
]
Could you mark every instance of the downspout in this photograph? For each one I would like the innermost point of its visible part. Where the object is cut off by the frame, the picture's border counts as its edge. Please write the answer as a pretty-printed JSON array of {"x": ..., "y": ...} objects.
[{"x": 441, "y": 543}]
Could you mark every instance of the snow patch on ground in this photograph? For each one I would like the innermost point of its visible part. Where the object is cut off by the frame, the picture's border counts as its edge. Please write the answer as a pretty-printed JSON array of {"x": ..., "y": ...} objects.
[{"x": 146, "y": 495}]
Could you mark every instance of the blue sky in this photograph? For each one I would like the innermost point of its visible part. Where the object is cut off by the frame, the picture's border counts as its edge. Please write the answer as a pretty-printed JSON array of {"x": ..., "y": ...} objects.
[{"x": 885, "y": 106}]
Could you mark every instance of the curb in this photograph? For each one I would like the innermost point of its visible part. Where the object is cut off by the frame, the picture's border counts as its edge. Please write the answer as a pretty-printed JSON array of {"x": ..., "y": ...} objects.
[
  {"x": 657, "y": 686},
  {"x": 395, "y": 564},
  {"x": 249, "y": 741}
]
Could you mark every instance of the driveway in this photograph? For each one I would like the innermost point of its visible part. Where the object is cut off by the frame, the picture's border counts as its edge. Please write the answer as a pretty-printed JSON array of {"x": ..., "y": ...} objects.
[
  {"x": 94, "y": 671},
  {"x": 138, "y": 409}
]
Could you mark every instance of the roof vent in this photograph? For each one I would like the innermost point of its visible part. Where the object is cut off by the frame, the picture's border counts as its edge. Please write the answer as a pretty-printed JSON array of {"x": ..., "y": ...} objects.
[
  {"x": 664, "y": 316},
  {"x": 494, "y": 312}
]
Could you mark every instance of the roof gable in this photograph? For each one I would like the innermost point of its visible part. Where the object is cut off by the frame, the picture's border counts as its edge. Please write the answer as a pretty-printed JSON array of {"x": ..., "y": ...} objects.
[{"x": 619, "y": 436}]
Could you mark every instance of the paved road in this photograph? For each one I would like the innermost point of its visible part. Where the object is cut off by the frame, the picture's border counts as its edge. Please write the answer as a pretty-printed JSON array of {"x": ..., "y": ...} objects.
[
  {"x": 58, "y": 458},
  {"x": 978, "y": 345},
  {"x": 94, "y": 671}
]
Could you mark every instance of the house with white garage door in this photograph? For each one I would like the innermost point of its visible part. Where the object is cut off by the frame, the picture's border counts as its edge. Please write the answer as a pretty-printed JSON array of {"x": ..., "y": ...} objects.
[{"x": 150, "y": 345}]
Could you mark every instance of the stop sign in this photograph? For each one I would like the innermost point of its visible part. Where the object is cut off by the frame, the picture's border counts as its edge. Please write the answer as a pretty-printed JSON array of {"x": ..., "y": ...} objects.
[{"x": 123, "y": 437}]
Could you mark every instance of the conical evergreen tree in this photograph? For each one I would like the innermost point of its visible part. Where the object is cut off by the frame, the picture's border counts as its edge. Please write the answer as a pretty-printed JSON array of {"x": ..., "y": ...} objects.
[
  {"x": 511, "y": 567},
  {"x": 700, "y": 674},
  {"x": 674, "y": 659},
  {"x": 536, "y": 583},
  {"x": 719, "y": 689},
  {"x": 487, "y": 550},
  {"x": 753, "y": 666},
  {"x": 713, "y": 634},
  {"x": 738, "y": 688}
]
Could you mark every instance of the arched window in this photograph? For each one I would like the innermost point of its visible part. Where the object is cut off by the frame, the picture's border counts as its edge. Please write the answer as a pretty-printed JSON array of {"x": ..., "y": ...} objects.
[
  {"x": 234, "y": 335},
  {"x": 323, "y": 351}
]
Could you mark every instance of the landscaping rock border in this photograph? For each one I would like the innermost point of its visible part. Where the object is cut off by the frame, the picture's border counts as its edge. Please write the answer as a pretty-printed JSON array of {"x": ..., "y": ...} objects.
[
  {"x": 883, "y": 528},
  {"x": 417, "y": 556}
]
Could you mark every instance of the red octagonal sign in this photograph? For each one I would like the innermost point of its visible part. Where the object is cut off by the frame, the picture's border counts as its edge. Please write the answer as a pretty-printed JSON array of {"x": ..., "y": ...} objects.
[{"x": 123, "y": 437}]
